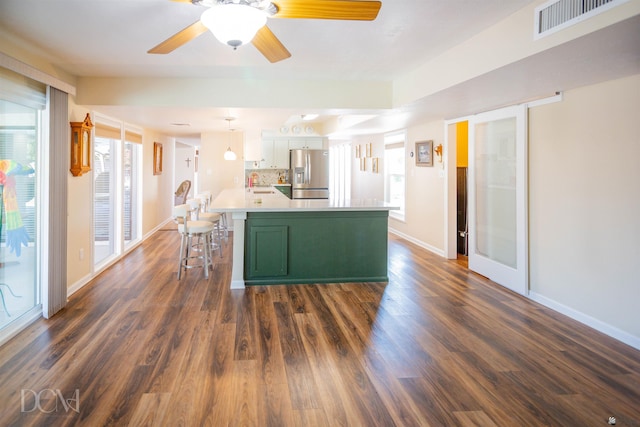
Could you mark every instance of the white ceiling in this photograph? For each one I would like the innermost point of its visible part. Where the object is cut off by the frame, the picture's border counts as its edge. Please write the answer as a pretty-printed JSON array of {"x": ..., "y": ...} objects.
[{"x": 110, "y": 38}]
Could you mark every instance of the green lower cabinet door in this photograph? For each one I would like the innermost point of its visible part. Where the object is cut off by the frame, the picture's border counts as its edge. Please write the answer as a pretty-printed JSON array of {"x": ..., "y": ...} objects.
[{"x": 268, "y": 251}]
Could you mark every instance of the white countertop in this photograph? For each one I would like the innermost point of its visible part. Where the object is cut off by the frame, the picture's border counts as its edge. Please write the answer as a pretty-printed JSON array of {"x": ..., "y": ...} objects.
[{"x": 255, "y": 200}]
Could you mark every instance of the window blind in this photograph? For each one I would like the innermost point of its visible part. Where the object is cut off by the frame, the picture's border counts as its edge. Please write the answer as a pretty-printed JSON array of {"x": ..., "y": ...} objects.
[
  {"x": 108, "y": 132},
  {"x": 133, "y": 137},
  {"x": 22, "y": 90}
]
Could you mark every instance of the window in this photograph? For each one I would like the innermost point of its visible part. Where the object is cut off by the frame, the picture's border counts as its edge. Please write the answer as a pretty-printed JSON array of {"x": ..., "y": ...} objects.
[
  {"x": 394, "y": 173},
  {"x": 340, "y": 171}
]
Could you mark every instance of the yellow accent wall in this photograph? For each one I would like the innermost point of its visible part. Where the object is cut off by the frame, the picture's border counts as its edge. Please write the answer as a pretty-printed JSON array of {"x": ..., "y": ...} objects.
[{"x": 462, "y": 144}]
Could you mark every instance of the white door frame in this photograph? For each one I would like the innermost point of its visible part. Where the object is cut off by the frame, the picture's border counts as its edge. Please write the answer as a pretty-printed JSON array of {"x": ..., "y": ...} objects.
[{"x": 450, "y": 208}]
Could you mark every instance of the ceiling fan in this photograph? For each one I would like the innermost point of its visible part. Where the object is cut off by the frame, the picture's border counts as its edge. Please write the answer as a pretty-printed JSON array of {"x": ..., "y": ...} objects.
[{"x": 237, "y": 22}]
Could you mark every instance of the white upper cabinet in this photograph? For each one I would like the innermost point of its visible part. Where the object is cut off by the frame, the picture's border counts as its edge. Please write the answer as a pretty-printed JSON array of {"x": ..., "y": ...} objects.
[
  {"x": 275, "y": 151},
  {"x": 275, "y": 154},
  {"x": 308, "y": 143}
]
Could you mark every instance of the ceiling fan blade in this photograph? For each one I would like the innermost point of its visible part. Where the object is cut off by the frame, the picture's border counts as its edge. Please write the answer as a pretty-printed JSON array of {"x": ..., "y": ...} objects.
[
  {"x": 355, "y": 10},
  {"x": 269, "y": 45},
  {"x": 180, "y": 38}
]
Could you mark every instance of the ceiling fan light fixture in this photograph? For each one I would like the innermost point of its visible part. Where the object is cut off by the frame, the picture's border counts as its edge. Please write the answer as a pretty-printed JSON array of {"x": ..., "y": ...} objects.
[{"x": 234, "y": 24}]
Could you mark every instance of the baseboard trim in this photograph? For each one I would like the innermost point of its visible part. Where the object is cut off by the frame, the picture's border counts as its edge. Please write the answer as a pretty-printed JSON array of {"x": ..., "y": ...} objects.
[
  {"x": 415, "y": 241},
  {"x": 20, "y": 323},
  {"x": 79, "y": 284},
  {"x": 592, "y": 322}
]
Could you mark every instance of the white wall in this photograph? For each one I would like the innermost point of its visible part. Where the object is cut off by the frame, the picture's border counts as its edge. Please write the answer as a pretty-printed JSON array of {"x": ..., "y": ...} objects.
[{"x": 585, "y": 205}]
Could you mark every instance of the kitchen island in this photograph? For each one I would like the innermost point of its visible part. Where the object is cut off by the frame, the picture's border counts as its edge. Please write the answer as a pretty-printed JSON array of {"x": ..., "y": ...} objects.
[{"x": 277, "y": 240}]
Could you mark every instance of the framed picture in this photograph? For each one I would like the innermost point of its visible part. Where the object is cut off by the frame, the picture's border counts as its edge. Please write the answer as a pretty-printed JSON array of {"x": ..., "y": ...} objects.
[
  {"x": 157, "y": 158},
  {"x": 363, "y": 164},
  {"x": 358, "y": 154},
  {"x": 424, "y": 153},
  {"x": 368, "y": 149},
  {"x": 375, "y": 165}
]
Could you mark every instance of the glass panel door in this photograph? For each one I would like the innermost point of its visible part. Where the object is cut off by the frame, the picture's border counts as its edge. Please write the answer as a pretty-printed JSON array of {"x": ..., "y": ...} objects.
[
  {"x": 131, "y": 160},
  {"x": 19, "y": 136},
  {"x": 497, "y": 197},
  {"x": 103, "y": 200}
]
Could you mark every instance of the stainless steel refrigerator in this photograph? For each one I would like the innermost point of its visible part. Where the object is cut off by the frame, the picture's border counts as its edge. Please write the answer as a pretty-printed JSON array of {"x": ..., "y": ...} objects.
[{"x": 309, "y": 174}]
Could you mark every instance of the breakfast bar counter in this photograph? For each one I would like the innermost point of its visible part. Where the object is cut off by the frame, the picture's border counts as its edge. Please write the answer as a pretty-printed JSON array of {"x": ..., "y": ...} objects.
[{"x": 277, "y": 240}]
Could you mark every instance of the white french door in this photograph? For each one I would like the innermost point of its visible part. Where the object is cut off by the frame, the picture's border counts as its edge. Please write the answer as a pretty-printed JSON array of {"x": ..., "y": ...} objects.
[{"x": 498, "y": 197}]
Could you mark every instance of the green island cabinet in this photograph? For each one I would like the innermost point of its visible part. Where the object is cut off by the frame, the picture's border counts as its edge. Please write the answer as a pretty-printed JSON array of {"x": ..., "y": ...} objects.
[
  {"x": 315, "y": 247},
  {"x": 284, "y": 189}
]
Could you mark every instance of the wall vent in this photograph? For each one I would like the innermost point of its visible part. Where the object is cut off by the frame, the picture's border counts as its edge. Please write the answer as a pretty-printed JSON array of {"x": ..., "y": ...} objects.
[{"x": 558, "y": 14}]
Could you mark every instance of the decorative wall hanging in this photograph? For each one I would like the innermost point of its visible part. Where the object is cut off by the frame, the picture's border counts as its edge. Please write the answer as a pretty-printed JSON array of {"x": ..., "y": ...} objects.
[
  {"x": 424, "y": 153},
  {"x": 81, "y": 146},
  {"x": 157, "y": 158},
  {"x": 438, "y": 151}
]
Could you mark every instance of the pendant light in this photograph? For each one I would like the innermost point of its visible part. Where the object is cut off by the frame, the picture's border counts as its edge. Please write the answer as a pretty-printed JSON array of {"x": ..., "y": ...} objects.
[{"x": 229, "y": 154}]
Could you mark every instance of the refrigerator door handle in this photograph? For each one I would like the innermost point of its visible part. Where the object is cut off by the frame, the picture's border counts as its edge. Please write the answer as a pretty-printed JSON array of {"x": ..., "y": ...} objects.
[{"x": 308, "y": 177}]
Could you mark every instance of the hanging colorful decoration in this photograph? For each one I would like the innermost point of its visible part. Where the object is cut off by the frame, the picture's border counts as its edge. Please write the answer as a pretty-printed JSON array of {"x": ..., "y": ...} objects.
[{"x": 16, "y": 233}]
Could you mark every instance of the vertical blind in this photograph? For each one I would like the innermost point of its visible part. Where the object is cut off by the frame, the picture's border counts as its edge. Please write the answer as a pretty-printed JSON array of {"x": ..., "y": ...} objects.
[{"x": 59, "y": 151}]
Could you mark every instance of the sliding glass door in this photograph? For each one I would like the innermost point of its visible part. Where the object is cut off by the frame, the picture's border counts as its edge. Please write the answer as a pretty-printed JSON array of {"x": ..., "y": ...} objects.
[
  {"x": 131, "y": 176},
  {"x": 103, "y": 199},
  {"x": 19, "y": 144}
]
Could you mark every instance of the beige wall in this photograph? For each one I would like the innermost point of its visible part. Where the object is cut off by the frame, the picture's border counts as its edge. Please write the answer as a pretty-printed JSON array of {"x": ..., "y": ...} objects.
[
  {"x": 425, "y": 191},
  {"x": 79, "y": 215},
  {"x": 366, "y": 184},
  {"x": 157, "y": 190},
  {"x": 182, "y": 171},
  {"x": 424, "y": 197},
  {"x": 585, "y": 203},
  {"x": 157, "y": 193},
  {"x": 214, "y": 173}
]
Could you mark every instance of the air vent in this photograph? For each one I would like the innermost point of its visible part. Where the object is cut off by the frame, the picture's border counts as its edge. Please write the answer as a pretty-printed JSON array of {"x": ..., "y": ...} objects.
[{"x": 558, "y": 14}]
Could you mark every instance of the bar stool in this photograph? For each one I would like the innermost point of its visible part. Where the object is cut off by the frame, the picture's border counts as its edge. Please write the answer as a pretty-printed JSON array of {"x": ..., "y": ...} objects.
[
  {"x": 223, "y": 216},
  {"x": 190, "y": 229},
  {"x": 203, "y": 204}
]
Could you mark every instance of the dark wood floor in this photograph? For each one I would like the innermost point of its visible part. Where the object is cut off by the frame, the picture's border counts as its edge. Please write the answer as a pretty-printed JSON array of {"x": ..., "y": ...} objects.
[{"x": 436, "y": 346}]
